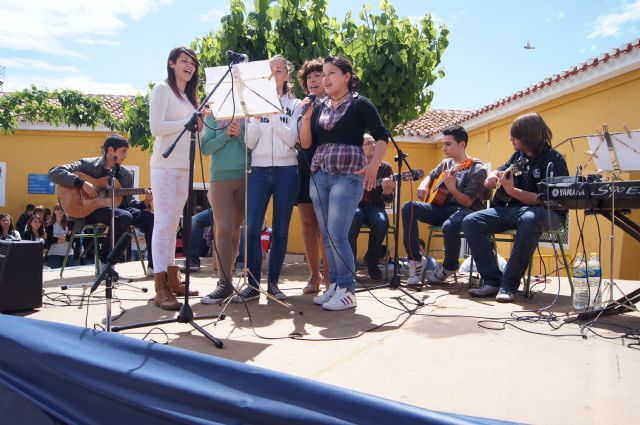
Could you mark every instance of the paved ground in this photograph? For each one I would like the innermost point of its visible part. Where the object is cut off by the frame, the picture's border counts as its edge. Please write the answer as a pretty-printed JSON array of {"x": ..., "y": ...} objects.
[{"x": 455, "y": 354}]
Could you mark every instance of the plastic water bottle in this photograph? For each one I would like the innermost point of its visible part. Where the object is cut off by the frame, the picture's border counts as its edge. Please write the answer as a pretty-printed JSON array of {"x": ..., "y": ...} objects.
[
  {"x": 595, "y": 276},
  {"x": 580, "y": 284}
]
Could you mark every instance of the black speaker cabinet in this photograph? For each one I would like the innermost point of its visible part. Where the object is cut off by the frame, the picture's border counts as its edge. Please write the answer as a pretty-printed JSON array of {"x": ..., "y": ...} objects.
[{"x": 20, "y": 275}]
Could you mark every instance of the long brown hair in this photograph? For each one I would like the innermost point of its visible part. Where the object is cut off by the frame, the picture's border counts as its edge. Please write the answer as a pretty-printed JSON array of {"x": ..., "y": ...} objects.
[
  {"x": 11, "y": 229},
  {"x": 40, "y": 230},
  {"x": 191, "y": 90},
  {"x": 534, "y": 134},
  {"x": 64, "y": 222}
]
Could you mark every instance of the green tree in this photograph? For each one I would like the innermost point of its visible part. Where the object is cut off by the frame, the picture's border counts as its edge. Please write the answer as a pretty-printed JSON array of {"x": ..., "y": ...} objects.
[{"x": 396, "y": 61}]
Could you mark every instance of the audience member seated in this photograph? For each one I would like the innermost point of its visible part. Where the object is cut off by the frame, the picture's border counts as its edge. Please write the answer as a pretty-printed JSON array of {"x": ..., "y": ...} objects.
[
  {"x": 21, "y": 224},
  {"x": 58, "y": 235},
  {"x": 35, "y": 232},
  {"x": 7, "y": 232}
]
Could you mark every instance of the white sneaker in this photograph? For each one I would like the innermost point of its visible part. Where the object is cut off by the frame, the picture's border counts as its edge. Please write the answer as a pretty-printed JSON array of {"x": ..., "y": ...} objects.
[
  {"x": 416, "y": 275},
  {"x": 326, "y": 295},
  {"x": 341, "y": 300},
  {"x": 439, "y": 275}
]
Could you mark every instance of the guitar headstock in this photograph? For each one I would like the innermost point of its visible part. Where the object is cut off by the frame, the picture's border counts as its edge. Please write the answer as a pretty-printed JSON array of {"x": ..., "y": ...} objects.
[
  {"x": 519, "y": 166},
  {"x": 413, "y": 176}
]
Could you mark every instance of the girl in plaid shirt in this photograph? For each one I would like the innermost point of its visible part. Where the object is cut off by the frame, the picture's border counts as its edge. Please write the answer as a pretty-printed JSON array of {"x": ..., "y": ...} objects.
[{"x": 340, "y": 172}]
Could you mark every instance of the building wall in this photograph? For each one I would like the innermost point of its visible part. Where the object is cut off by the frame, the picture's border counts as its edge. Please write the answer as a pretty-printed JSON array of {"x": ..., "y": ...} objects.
[
  {"x": 615, "y": 102},
  {"x": 36, "y": 152}
]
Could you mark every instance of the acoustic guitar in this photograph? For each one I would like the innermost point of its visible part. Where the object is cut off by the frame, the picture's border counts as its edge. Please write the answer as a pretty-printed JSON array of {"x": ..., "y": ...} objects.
[
  {"x": 77, "y": 204},
  {"x": 500, "y": 197},
  {"x": 438, "y": 191}
]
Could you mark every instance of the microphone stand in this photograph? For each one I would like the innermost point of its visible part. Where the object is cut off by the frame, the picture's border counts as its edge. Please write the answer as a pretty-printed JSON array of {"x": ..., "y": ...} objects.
[
  {"x": 186, "y": 313},
  {"x": 394, "y": 282}
]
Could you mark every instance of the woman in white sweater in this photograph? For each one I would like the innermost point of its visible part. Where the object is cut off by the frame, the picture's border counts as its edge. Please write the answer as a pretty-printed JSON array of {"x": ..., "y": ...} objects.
[
  {"x": 171, "y": 106},
  {"x": 274, "y": 173}
]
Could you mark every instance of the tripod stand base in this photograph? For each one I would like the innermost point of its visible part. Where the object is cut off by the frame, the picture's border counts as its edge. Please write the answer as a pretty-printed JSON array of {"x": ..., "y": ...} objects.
[
  {"x": 394, "y": 283},
  {"x": 185, "y": 316}
]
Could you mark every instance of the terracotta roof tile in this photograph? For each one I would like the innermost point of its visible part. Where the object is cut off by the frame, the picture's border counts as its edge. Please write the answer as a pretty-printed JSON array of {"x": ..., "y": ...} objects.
[
  {"x": 112, "y": 102},
  {"x": 432, "y": 122}
]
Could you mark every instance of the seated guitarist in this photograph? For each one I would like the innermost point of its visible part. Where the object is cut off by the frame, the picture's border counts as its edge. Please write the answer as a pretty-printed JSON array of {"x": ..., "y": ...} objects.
[
  {"x": 371, "y": 211},
  {"x": 456, "y": 189},
  {"x": 531, "y": 139},
  {"x": 129, "y": 211}
]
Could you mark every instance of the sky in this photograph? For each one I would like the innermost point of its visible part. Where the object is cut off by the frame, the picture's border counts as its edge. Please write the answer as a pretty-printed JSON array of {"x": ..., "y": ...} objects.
[{"x": 118, "y": 46}]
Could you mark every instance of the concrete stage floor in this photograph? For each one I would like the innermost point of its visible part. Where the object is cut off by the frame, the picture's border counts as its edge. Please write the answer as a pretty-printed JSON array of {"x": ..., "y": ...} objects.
[{"x": 455, "y": 354}]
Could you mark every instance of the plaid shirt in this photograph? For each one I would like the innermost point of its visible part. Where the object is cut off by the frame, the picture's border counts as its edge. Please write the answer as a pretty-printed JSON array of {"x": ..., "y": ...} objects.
[{"x": 337, "y": 158}]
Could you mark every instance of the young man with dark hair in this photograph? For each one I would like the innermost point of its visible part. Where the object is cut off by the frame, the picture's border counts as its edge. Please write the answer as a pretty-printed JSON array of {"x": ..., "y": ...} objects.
[
  {"x": 451, "y": 191},
  {"x": 21, "y": 224},
  {"x": 130, "y": 211},
  {"x": 518, "y": 209}
]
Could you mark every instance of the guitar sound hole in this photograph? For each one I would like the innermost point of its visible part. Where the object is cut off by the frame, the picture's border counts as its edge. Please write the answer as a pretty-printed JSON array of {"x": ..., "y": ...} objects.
[{"x": 103, "y": 193}]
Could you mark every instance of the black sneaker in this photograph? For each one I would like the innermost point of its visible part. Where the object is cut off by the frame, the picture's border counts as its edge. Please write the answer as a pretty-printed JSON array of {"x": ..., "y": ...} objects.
[
  {"x": 248, "y": 294},
  {"x": 374, "y": 272},
  {"x": 221, "y": 293},
  {"x": 276, "y": 292}
]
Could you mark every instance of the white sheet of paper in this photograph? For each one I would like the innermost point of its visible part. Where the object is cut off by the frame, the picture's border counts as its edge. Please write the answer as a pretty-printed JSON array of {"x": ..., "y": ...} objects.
[
  {"x": 626, "y": 148},
  {"x": 251, "y": 82}
]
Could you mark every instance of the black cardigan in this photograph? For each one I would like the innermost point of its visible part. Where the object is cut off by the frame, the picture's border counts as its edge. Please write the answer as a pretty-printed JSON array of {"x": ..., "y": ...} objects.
[{"x": 362, "y": 115}]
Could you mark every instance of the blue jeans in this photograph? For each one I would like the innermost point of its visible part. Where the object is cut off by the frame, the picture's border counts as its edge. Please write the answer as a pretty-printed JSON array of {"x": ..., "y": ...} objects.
[
  {"x": 335, "y": 198},
  {"x": 283, "y": 183},
  {"x": 530, "y": 223},
  {"x": 123, "y": 220},
  {"x": 143, "y": 220},
  {"x": 448, "y": 216},
  {"x": 375, "y": 217},
  {"x": 198, "y": 223}
]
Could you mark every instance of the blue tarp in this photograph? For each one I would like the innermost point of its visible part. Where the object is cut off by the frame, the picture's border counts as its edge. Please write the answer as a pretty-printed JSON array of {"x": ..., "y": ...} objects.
[{"x": 52, "y": 373}]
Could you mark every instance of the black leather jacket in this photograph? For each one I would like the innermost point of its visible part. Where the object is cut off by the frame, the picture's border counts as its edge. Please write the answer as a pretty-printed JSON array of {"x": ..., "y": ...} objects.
[{"x": 94, "y": 167}]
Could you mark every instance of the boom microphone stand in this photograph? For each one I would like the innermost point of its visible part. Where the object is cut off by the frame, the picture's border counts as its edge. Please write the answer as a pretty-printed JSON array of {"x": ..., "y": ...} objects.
[
  {"x": 186, "y": 313},
  {"x": 394, "y": 282}
]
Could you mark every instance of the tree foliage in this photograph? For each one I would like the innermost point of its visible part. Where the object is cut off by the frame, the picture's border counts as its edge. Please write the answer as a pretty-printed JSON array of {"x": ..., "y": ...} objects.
[
  {"x": 56, "y": 107},
  {"x": 397, "y": 62}
]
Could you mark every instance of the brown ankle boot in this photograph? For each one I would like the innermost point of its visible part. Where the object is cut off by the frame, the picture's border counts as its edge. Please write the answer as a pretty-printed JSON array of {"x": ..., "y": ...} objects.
[
  {"x": 175, "y": 282},
  {"x": 164, "y": 298}
]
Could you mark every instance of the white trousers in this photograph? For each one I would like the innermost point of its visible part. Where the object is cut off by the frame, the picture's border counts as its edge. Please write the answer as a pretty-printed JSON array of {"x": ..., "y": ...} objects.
[{"x": 170, "y": 188}]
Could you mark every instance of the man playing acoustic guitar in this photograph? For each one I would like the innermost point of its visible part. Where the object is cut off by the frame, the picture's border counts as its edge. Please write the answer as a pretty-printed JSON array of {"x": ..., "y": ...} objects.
[
  {"x": 451, "y": 191},
  {"x": 517, "y": 208},
  {"x": 80, "y": 174}
]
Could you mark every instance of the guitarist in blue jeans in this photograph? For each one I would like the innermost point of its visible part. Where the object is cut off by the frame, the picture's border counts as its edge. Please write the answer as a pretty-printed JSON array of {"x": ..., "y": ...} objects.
[
  {"x": 455, "y": 188},
  {"x": 371, "y": 211},
  {"x": 130, "y": 211},
  {"x": 517, "y": 209}
]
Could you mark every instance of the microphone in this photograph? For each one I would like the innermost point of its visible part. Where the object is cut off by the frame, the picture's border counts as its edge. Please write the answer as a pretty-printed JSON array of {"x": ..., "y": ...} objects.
[
  {"x": 235, "y": 57},
  {"x": 123, "y": 242},
  {"x": 305, "y": 108}
]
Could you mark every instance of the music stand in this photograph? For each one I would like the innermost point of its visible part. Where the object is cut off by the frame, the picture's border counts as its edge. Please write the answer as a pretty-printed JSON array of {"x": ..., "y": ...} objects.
[
  {"x": 186, "y": 313},
  {"x": 394, "y": 282},
  {"x": 614, "y": 153}
]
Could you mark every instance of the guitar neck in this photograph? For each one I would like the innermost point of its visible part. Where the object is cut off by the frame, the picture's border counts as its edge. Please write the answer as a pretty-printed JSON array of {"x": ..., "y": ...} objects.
[{"x": 130, "y": 191}]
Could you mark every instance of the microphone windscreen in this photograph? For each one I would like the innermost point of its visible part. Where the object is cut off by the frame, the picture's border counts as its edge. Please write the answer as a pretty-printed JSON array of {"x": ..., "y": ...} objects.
[{"x": 121, "y": 245}]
